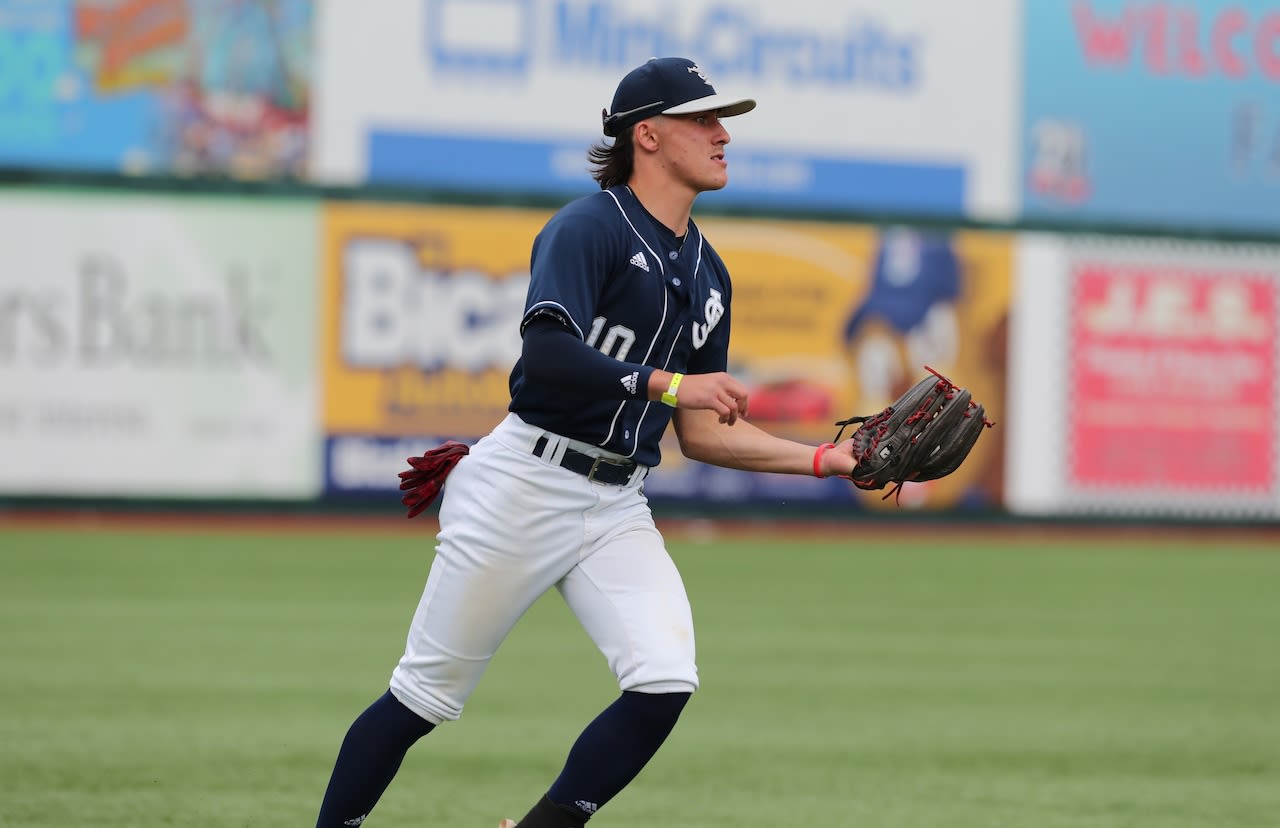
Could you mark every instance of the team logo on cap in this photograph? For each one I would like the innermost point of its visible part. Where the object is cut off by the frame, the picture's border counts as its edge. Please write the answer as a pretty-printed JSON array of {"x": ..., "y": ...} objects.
[{"x": 695, "y": 69}]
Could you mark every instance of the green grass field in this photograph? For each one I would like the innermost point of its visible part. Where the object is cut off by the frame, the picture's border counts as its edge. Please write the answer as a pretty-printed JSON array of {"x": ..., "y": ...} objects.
[{"x": 163, "y": 678}]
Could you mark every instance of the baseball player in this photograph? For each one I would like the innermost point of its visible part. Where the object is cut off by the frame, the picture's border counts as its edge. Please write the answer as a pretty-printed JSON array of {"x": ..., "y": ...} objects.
[{"x": 626, "y": 329}]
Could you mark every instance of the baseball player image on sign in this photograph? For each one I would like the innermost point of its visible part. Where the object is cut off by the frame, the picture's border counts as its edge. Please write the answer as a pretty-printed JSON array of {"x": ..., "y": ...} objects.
[{"x": 625, "y": 330}]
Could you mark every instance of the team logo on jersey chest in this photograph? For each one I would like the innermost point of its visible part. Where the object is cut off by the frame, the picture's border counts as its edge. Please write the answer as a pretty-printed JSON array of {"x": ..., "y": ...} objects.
[{"x": 712, "y": 310}]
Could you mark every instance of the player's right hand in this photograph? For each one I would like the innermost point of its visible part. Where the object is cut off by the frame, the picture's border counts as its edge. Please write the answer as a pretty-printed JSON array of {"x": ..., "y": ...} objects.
[{"x": 718, "y": 392}]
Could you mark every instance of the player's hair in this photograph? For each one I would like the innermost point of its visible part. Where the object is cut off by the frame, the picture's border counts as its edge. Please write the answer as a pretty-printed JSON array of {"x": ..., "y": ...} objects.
[{"x": 612, "y": 163}]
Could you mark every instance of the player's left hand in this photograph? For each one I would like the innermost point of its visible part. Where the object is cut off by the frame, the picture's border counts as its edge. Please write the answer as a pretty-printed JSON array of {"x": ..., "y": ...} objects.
[
  {"x": 924, "y": 435},
  {"x": 838, "y": 461}
]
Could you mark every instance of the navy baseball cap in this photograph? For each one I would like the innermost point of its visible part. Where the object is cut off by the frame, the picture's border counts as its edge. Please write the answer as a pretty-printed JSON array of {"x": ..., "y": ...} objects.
[{"x": 667, "y": 86}]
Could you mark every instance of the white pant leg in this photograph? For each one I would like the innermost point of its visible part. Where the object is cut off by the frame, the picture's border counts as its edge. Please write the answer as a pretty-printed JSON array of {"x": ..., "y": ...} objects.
[
  {"x": 630, "y": 598},
  {"x": 512, "y": 525},
  {"x": 509, "y": 530}
]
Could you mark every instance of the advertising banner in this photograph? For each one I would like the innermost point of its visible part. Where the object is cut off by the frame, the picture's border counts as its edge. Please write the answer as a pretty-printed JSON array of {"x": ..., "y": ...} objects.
[
  {"x": 1153, "y": 345},
  {"x": 1152, "y": 112},
  {"x": 421, "y": 317},
  {"x": 874, "y": 105},
  {"x": 156, "y": 86},
  {"x": 157, "y": 347},
  {"x": 1165, "y": 356},
  {"x": 831, "y": 320}
]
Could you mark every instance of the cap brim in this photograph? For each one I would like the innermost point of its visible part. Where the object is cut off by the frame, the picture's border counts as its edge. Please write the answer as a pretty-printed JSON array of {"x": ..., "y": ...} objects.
[{"x": 723, "y": 105}]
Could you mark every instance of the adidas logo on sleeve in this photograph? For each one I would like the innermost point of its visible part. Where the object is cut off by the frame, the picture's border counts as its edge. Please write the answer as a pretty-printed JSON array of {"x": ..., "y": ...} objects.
[{"x": 630, "y": 381}]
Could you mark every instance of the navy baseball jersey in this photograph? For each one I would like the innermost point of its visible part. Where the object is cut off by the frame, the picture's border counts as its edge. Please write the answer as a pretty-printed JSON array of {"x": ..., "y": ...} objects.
[{"x": 624, "y": 284}]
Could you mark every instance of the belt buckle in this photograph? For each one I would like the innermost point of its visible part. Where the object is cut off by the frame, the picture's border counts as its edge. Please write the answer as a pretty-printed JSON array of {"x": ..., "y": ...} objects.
[{"x": 591, "y": 474}]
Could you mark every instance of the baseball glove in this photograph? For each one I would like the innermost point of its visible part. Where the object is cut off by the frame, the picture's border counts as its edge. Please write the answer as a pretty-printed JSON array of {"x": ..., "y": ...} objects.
[
  {"x": 926, "y": 434},
  {"x": 424, "y": 478}
]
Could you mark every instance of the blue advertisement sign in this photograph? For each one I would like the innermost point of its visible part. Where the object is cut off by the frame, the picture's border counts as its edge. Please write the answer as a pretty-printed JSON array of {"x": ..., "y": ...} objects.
[
  {"x": 783, "y": 179},
  {"x": 1159, "y": 113},
  {"x": 155, "y": 86}
]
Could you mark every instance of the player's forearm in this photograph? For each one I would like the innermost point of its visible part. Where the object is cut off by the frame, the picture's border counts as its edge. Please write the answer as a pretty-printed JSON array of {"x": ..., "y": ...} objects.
[
  {"x": 740, "y": 446},
  {"x": 658, "y": 382}
]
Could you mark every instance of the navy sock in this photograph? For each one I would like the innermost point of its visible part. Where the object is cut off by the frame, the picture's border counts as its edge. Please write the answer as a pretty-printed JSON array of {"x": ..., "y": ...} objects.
[
  {"x": 371, "y": 754},
  {"x": 614, "y": 749}
]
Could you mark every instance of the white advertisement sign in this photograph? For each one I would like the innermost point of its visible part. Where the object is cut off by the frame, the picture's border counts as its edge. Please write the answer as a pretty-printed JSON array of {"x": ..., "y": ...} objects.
[
  {"x": 884, "y": 105},
  {"x": 157, "y": 346}
]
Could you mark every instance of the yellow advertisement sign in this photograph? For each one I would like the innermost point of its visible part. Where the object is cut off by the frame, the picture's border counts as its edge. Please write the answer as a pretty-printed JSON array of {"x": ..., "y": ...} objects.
[
  {"x": 421, "y": 309},
  {"x": 831, "y": 320}
]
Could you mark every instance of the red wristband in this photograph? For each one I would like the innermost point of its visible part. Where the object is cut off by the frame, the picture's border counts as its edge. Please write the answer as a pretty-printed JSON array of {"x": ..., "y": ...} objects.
[{"x": 817, "y": 458}]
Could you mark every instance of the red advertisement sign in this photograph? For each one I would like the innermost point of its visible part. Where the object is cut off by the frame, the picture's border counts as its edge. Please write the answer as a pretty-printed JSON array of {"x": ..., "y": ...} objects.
[{"x": 1173, "y": 375}]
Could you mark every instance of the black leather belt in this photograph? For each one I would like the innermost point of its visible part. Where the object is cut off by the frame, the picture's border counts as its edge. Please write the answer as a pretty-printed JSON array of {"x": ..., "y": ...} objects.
[{"x": 598, "y": 469}]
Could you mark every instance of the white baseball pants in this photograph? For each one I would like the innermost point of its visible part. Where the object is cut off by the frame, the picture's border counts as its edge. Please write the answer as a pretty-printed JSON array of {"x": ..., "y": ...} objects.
[{"x": 513, "y": 525}]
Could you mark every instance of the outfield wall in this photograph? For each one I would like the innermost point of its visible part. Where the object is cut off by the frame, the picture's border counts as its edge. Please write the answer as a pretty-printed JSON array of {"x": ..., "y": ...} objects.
[
  {"x": 295, "y": 242},
  {"x": 198, "y": 347}
]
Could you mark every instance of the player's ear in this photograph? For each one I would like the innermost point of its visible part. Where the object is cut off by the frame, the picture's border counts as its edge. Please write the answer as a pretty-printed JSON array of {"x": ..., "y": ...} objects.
[{"x": 645, "y": 136}]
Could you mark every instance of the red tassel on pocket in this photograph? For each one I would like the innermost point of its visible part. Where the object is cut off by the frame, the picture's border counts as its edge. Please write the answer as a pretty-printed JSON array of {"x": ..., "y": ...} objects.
[{"x": 425, "y": 477}]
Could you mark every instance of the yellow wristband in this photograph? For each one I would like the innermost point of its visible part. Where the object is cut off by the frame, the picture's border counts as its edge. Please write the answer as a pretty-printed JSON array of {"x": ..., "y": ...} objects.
[{"x": 669, "y": 396}]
